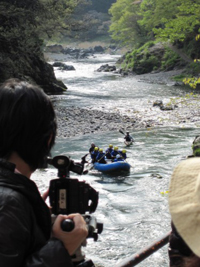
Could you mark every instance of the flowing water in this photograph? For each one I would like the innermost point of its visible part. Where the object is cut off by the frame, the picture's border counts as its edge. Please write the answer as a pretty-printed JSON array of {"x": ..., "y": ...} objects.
[{"x": 133, "y": 207}]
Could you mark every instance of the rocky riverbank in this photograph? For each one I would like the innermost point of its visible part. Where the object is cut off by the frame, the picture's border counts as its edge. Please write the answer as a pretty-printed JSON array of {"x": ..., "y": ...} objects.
[
  {"x": 74, "y": 121},
  {"x": 164, "y": 77}
]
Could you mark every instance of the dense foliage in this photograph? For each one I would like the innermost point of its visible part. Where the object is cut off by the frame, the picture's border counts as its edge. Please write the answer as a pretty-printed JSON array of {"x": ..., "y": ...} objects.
[
  {"x": 23, "y": 26},
  {"x": 164, "y": 20},
  {"x": 173, "y": 22},
  {"x": 91, "y": 19},
  {"x": 24, "y": 23},
  {"x": 125, "y": 25},
  {"x": 97, "y": 5}
]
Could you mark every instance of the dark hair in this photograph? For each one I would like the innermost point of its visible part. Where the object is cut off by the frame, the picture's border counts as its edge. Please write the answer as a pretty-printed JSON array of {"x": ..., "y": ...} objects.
[{"x": 27, "y": 122}]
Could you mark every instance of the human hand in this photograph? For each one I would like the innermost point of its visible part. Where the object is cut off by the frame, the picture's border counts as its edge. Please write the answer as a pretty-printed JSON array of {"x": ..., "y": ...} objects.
[
  {"x": 45, "y": 194},
  {"x": 71, "y": 240}
]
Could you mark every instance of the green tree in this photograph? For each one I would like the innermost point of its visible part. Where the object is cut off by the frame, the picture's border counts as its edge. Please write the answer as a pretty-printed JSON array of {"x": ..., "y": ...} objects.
[
  {"x": 23, "y": 26},
  {"x": 186, "y": 22},
  {"x": 125, "y": 27},
  {"x": 172, "y": 20},
  {"x": 155, "y": 13},
  {"x": 24, "y": 23}
]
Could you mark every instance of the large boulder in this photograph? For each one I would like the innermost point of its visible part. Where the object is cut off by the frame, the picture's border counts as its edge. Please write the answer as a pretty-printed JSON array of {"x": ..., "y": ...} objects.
[
  {"x": 169, "y": 106},
  {"x": 63, "y": 66},
  {"x": 32, "y": 68},
  {"x": 98, "y": 49},
  {"x": 106, "y": 68}
]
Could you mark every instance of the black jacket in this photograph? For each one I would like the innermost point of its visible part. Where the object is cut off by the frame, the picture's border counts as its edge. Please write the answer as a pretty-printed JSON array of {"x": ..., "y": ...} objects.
[
  {"x": 178, "y": 249},
  {"x": 25, "y": 224}
]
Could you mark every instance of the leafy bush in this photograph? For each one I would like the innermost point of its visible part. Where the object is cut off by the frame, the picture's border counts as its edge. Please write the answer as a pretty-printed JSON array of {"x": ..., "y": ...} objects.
[{"x": 170, "y": 59}]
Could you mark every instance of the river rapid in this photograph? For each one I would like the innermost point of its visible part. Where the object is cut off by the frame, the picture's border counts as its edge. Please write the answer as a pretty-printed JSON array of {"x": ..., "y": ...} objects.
[{"x": 133, "y": 207}]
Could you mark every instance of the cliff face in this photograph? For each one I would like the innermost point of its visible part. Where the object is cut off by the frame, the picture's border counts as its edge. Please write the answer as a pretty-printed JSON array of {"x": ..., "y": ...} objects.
[
  {"x": 32, "y": 68},
  {"x": 21, "y": 47},
  {"x": 22, "y": 25}
]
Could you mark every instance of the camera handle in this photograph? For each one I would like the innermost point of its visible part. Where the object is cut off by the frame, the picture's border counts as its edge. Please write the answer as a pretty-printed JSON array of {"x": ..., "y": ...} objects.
[
  {"x": 67, "y": 225},
  {"x": 78, "y": 258},
  {"x": 94, "y": 228}
]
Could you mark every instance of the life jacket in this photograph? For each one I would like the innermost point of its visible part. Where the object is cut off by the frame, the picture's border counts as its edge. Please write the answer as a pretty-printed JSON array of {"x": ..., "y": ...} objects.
[
  {"x": 109, "y": 153},
  {"x": 128, "y": 138},
  {"x": 94, "y": 154},
  {"x": 114, "y": 153},
  {"x": 101, "y": 157},
  {"x": 122, "y": 154}
]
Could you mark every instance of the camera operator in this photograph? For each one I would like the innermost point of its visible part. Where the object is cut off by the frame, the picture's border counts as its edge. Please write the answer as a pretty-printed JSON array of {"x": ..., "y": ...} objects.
[{"x": 27, "y": 134}]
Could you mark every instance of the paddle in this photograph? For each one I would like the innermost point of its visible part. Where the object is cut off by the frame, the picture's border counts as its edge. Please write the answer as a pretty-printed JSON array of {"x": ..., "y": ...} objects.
[
  {"x": 121, "y": 131},
  {"x": 146, "y": 252}
]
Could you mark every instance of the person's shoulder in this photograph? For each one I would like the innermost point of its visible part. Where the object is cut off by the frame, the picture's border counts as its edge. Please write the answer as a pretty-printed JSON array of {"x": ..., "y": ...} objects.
[
  {"x": 8, "y": 192},
  {"x": 13, "y": 200}
]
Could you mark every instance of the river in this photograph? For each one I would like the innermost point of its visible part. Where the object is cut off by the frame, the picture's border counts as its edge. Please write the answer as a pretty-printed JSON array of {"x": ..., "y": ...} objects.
[{"x": 133, "y": 207}]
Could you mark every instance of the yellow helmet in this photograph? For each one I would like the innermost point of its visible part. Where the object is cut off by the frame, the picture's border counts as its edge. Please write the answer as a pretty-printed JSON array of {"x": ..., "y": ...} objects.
[
  {"x": 110, "y": 145},
  {"x": 96, "y": 148},
  {"x": 100, "y": 149},
  {"x": 124, "y": 151},
  {"x": 115, "y": 148}
]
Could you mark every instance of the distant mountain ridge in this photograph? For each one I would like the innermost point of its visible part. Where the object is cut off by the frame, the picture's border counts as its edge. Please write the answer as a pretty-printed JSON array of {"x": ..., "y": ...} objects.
[{"x": 92, "y": 20}]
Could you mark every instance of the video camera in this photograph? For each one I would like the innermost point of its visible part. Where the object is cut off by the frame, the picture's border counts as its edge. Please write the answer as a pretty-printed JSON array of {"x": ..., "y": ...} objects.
[
  {"x": 70, "y": 195},
  {"x": 74, "y": 196}
]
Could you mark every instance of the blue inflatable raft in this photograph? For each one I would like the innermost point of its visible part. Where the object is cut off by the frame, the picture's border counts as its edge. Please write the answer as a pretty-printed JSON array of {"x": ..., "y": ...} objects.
[{"x": 112, "y": 166}]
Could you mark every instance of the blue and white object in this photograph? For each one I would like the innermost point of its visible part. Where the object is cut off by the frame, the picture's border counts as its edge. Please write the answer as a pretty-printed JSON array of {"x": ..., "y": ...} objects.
[{"x": 112, "y": 167}]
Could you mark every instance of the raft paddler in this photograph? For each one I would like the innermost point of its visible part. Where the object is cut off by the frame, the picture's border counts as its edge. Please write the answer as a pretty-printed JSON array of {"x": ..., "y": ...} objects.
[
  {"x": 94, "y": 154},
  {"x": 123, "y": 153},
  {"x": 128, "y": 137},
  {"x": 101, "y": 156},
  {"x": 109, "y": 151},
  {"x": 115, "y": 152}
]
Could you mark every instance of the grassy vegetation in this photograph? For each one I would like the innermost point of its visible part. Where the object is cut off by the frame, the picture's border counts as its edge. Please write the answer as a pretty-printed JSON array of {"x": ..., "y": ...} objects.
[
  {"x": 150, "y": 57},
  {"x": 170, "y": 59},
  {"x": 180, "y": 77}
]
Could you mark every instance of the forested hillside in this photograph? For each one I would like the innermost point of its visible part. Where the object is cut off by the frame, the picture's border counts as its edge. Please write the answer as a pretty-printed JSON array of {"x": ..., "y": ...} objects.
[
  {"x": 26, "y": 25},
  {"x": 160, "y": 34},
  {"x": 91, "y": 20},
  {"x": 23, "y": 26},
  {"x": 172, "y": 23}
]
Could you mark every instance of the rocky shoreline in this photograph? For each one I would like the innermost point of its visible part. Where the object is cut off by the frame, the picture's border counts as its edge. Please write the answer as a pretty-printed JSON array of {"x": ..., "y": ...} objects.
[
  {"x": 164, "y": 77},
  {"x": 74, "y": 121}
]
